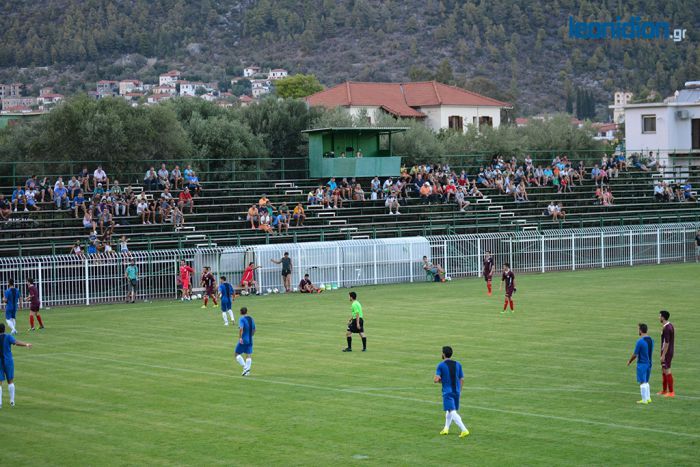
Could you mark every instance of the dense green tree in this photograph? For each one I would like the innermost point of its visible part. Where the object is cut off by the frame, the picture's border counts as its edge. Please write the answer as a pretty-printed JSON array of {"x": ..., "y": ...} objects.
[{"x": 297, "y": 86}]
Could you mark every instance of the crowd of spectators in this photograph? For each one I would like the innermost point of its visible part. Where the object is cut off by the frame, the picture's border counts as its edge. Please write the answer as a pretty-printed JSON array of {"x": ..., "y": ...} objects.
[
  {"x": 676, "y": 191},
  {"x": 264, "y": 216}
]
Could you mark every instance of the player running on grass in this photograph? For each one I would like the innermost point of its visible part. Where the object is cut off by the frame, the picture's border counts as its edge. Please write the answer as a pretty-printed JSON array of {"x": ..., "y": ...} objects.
[
  {"x": 449, "y": 373},
  {"x": 642, "y": 353},
  {"x": 11, "y": 300},
  {"x": 356, "y": 323},
  {"x": 209, "y": 283},
  {"x": 667, "y": 338},
  {"x": 34, "y": 304},
  {"x": 227, "y": 295},
  {"x": 508, "y": 278},
  {"x": 246, "y": 330},
  {"x": 7, "y": 364},
  {"x": 488, "y": 271}
]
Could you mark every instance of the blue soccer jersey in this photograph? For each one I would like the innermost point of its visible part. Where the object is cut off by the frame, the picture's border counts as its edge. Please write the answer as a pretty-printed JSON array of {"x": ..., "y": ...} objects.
[
  {"x": 12, "y": 296},
  {"x": 7, "y": 365},
  {"x": 450, "y": 373},
  {"x": 643, "y": 350},
  {"x": 247, "y": 324},
  {"x": 226, "y": 291}
]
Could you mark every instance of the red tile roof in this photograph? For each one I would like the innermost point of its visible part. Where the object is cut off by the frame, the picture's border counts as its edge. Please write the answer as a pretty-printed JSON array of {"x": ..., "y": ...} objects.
[{"x": 399, "y": 99}]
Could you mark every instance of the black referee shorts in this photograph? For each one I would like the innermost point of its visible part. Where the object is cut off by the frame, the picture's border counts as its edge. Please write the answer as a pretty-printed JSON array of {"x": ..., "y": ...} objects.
[{"x": 352, "y": 326}]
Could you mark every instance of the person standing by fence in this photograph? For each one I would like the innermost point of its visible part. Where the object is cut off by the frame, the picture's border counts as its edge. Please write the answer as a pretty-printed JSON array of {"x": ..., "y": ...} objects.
[{"x": 132, "y": 277}]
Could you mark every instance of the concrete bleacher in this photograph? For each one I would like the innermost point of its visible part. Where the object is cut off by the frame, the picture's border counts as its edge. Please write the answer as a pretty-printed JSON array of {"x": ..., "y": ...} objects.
[{"x": 219, "y": 216}]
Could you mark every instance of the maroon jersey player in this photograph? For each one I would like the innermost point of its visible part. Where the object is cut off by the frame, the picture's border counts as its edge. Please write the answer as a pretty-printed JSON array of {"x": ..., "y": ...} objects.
[
  {"x": 34, "y": 304},
  {"x": 209, "y": 283},
  {"x": 667, "y": 338},
  {"x": 488, "y": 271},
  {"x": 508, "y": 279}
]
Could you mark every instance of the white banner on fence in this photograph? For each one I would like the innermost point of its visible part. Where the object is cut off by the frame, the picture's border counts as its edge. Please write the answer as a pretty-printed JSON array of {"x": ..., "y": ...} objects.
[{"x": 72, "y": 280}]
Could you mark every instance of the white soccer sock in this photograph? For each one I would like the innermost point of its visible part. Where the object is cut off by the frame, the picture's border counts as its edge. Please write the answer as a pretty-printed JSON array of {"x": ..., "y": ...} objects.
[
  {"x": 11, "y": 388},
  {"x": 11, "y": 324},
  {"x": 225, "y": 317},
  {"x": 248, "y": 362},
  {"x": 647, "y": 392},
  {"x": 641, "y": 389},
  {"x": 230, "y": 314},
  {"x": 240, "y": 360},
  {"x": 448, "y": 419},
  {"x": 458, "y": 420}
]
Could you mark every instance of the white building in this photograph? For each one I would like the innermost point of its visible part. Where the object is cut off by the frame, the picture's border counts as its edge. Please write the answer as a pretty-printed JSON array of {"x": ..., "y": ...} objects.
[
  {"x": 438, "y": 105},
  {"x": 250, "y": 71},
  {"x": 277, "y": 73},
  {"x": 670, "y": 129},
  {"x": 169, "y": 78},
  {"x": 622, "y": 98},
  {"x": 127, "y": 86},
  {"x": 190, "y": 89},
  {"x": 260, "y": 87}
]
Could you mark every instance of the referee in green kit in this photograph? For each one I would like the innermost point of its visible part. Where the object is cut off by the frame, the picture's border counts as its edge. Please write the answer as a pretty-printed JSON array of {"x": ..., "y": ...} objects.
[{"x": 356, "y": 324}]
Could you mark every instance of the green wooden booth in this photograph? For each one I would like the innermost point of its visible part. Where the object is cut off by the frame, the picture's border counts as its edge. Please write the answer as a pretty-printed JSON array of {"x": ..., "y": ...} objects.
[
  {"x": 333, "y": 152},
  {"x": 9, "y": 119}
]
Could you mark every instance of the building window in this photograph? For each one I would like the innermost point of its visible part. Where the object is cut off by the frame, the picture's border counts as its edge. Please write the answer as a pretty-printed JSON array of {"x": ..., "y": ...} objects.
[
  {"x": 455, "y": 122},
  {"x": 648, "y": 123},
  {"x": 488, "y": 121},
  {"x": 695, "y": 133}
]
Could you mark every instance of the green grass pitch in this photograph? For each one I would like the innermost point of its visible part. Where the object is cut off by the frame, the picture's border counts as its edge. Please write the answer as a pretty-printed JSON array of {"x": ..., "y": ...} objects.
[{"x": 156, "y": 383}]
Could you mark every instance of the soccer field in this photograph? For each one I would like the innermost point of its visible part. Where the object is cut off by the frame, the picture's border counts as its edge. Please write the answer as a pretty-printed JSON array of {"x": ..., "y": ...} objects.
[{"x": 156, "y": 383}]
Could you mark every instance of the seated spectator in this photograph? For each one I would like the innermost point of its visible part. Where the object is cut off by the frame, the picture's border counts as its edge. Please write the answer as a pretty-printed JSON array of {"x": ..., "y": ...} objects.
[
  {"x": 99, "y": 190},
  {"x": 332, "y": 184},
  {"x": 652, "y": 163},
  {"x": 76, "y": 249},
  {"x": 263, "y": 201},
  {"x": 60, "y": 197},
  {"x": 342, "y": 154},
  {"x": 345, "y": 189},
  {"x": 187, "y": 173},
  {"x": 474, "y": 191},
  {"x": 84, "y": 179},
  {"x": 18, "y": 197},
  {"x": 637, "y": 163},
  {"x": 299, "y": 215},
  {"x": 79, "y": 203},
  {"x": 265, "y": 222},
  {"x": 386, "y": 187},
  {"x": 73, "y": 186},
  {"x": 185, "y": 200},
  {"x": 358, "y": 154},
  {"x": 253, "y": 216},
  {"x": 375, "y": 188},
  {"x": 392, "y": 203},
  {"x": 30, "y": 196},
  {"x": 88, "y": 222},
  {"x": 194, "y": 185},
  {"x": 556, "y": 211},
  {"x": 163, "y": 177},
  {"x": 305, "y": 286},
  {"x": 45, "y": 191},
  {"x": 311, "y": 199},
  {"x": 358, "y": 194},
  {"x": 283, "y": 208},
  {"x": 281, "y": 221},
  {"x": 176, "y": 179},
  {"x": 5, "y": 208},
  {"x": 150, "y": 180},
  {"x": 426, "y": 193},
  {"x": 450, "y": 191},
  {"x": 123, "y": 245},
  {"x": 607, "y": 197},
  {"x": 178, "y": 218},
  {"x": 100, "y": 176},
  {"x": 434, "y": 269},
  {"x": 143, "y": 209},
  {"x": 337, "y": 198},
  {"x": 462, "y": 203},
  {"x": 520, "y": 194},
  {"x": 688, "y": 192},
  {"x": 658, "y": 191},
  {"x": 106, "y": 221},
  {"x": 325, "y": 195},
  {"x": 165, "y": 207}
]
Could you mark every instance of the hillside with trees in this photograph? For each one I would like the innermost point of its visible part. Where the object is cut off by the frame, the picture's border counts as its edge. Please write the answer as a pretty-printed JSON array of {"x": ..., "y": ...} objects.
[{"x": 516, "y": 50}]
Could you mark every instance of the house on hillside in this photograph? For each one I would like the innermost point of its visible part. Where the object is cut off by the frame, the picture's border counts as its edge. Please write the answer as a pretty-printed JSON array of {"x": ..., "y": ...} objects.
[
  {"x": 437, "y": 105},
  {"x": 156, "y": 98},
  {"x": 260, "y": 87},
  {"x": 127, "y": 86},
  {"x": 622, "y": 98},
  {"x": 107, "y": 88},
  {"x": 670, "y": 128},
  {"x": 169, "y": 78},
  {"x": 277, "y": 73},
  {"x": 11, "y": 90},
  {"x": 605, "y": 131},
  {"x": 169, "y": 90},
  {"x": 47, "y": 100},
  {"x": 15, "y": 102},
  {"x": 250, "y": 71},
  {"x": 245, "y": 101}
]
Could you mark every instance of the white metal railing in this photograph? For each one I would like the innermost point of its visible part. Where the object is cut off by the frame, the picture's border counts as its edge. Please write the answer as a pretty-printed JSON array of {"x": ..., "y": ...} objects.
[{"x": 71, "y": 280}]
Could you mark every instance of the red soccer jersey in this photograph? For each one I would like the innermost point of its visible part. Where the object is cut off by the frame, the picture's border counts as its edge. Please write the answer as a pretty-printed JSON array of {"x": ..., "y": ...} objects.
[
  {"x": 488, "y": 268},
  {"x": 34, "y": 298},
  {"x": 509, "y": 279},
  {"x": 208, "y": 280},
  {"x": 668, "y": 336},
  {"x": 247, "y": 274},
  {"x": 185, "y": 273}
]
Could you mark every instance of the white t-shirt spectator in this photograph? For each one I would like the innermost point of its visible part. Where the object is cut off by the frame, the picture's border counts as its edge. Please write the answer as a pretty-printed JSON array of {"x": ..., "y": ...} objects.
[
  {"x": 100, "y": 175},
  {"x": 141, "y": 207}
]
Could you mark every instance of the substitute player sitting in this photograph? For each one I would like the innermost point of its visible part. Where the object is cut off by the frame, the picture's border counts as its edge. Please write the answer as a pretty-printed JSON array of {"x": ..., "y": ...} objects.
[
  {"x": 434, "y": 269},
  {"x": 248, "y": 279},
  {"x": 305, "y": 286}
]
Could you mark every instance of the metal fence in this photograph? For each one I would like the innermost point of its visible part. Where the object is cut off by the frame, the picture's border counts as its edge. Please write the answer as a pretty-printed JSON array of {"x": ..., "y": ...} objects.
[{"x": 71, "y": 280}]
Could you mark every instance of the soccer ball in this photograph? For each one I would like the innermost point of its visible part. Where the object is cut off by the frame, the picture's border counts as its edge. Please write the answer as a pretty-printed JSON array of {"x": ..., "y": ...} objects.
[
  {"x": 448, "y": 278},
  {"x": 275, "y": 290},
  {"x": 322, "y": 286},
  {"x": 244, "y": 292},
  {"x": 296, "y": 289},
  {"x": 269, "y": 291},
  {"x": 199, "y": 295}
]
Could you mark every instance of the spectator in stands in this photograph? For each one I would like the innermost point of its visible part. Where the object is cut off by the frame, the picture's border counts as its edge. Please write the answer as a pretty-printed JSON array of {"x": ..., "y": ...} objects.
[
  {"x": 100, "y": 176},
  {"x": 688, "y": 194},
  {"x": 358, "y": 154},
  {"x": 88, "y": 222},
  {"x": 106, "y": 220},
  {"x": 265, "y": 221},
  {"x": 84, "y": 178},
  {"x": 637, "y": 162},
  {"x": 185, "y": 200},
  {"x": 474, "y": 191},
  {"x": 652, "y": 163},
  {"x": 163, "y": 177},
  {"x": 337, "y": 197},
  {"x": 281, "y": 222},
  {"x": 375, "y": 188},
  {"x": 60, "y": 197},
  {"x": 460, "y": 197},
  {"x": 607, "y": 197},
  {"x": 342, "y": 154},
  {"x": 45, "y": 190},
  {"x": 143, "y": 209},
  {"x": 332, "y": 184},
  {"x": 194, "y": 185},
  {"x": 18, "y": 197},
  {"x": 264, "y": 201},
  {"x": 5, "y": 208},
  {"x": 253, "y": 216},
  {"x": 386, "y": 187},
  {"x": 165, "y": 206},
  {"x": 79, "y": 203},
  {"x": 392, "y": 203},
  {"x": 346, "y": 189},
  {"x": 299, "y": 215},
  {"x": 358, "y": 194},
  {"x": 76, "y": 249},
  {"x": 73, "y": 186},
  {"x": 520, "y": 194},
  {"x": 99, "y": 190},
  {"x": 150, "y": 180},
  {"x": 450, "y": 191},
  {"x": 305, "y": 286},
  {"x": 176, "y": 179},
  {"x": 30, "y": 196},
  {"x": 187, "y": 173},
  {"x": 426, "y": 193},
  {"x": 311, "y": 199},
  {"x": 658, "y": 191},
  {"x": 325, "y": 197},
  {"x": 178, "y": 218},
  {"x": 124, "y": 245}
]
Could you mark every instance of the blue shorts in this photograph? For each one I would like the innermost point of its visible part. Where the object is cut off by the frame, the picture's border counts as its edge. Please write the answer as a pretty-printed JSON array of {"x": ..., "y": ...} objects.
[
  {"x": 7, "y": 370},
  {"x": 643, "y": 373},
  {"x": 225, "y": 305},
  {"x": 10, "y": 314},
  {"x": 244, "y": 349},
  {"x": 450, "y": 401}
]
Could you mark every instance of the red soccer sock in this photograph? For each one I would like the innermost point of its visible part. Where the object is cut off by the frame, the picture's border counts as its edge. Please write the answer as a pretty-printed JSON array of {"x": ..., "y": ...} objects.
[
  {"x": 213, "y": 299},
  {"x": 664, "y": 378},
  {"x": 38, "y": 318},
  {"x": 505, "y": 305},
  {"x": 669, "y": 379},
  {"x": 206, "y": 300},
  {"x": 488, "y": 286},
  {"x": 511, "y": 304},
  {"x": 31, "y": 321}
]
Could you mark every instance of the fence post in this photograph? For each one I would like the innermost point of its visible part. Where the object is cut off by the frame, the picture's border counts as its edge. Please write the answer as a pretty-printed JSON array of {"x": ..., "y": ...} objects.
[
  {"x": 478, "y": 257},
  {"x": 510, "y": 251},
  {"x": 40, "y": 286},
  {"x": 542, "y": 253},
  {"x": 658, "y": 246},
  {"x": 410, "y": 261},
  {"x": 602, "y": 250},
  {"x": 444, "y": 248},
  {"x": 573, "y": 251},
  {"x": 631, "y": 249},
  {"x": 87, "y": 283},
  {"x": 375, "y": 264}
]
